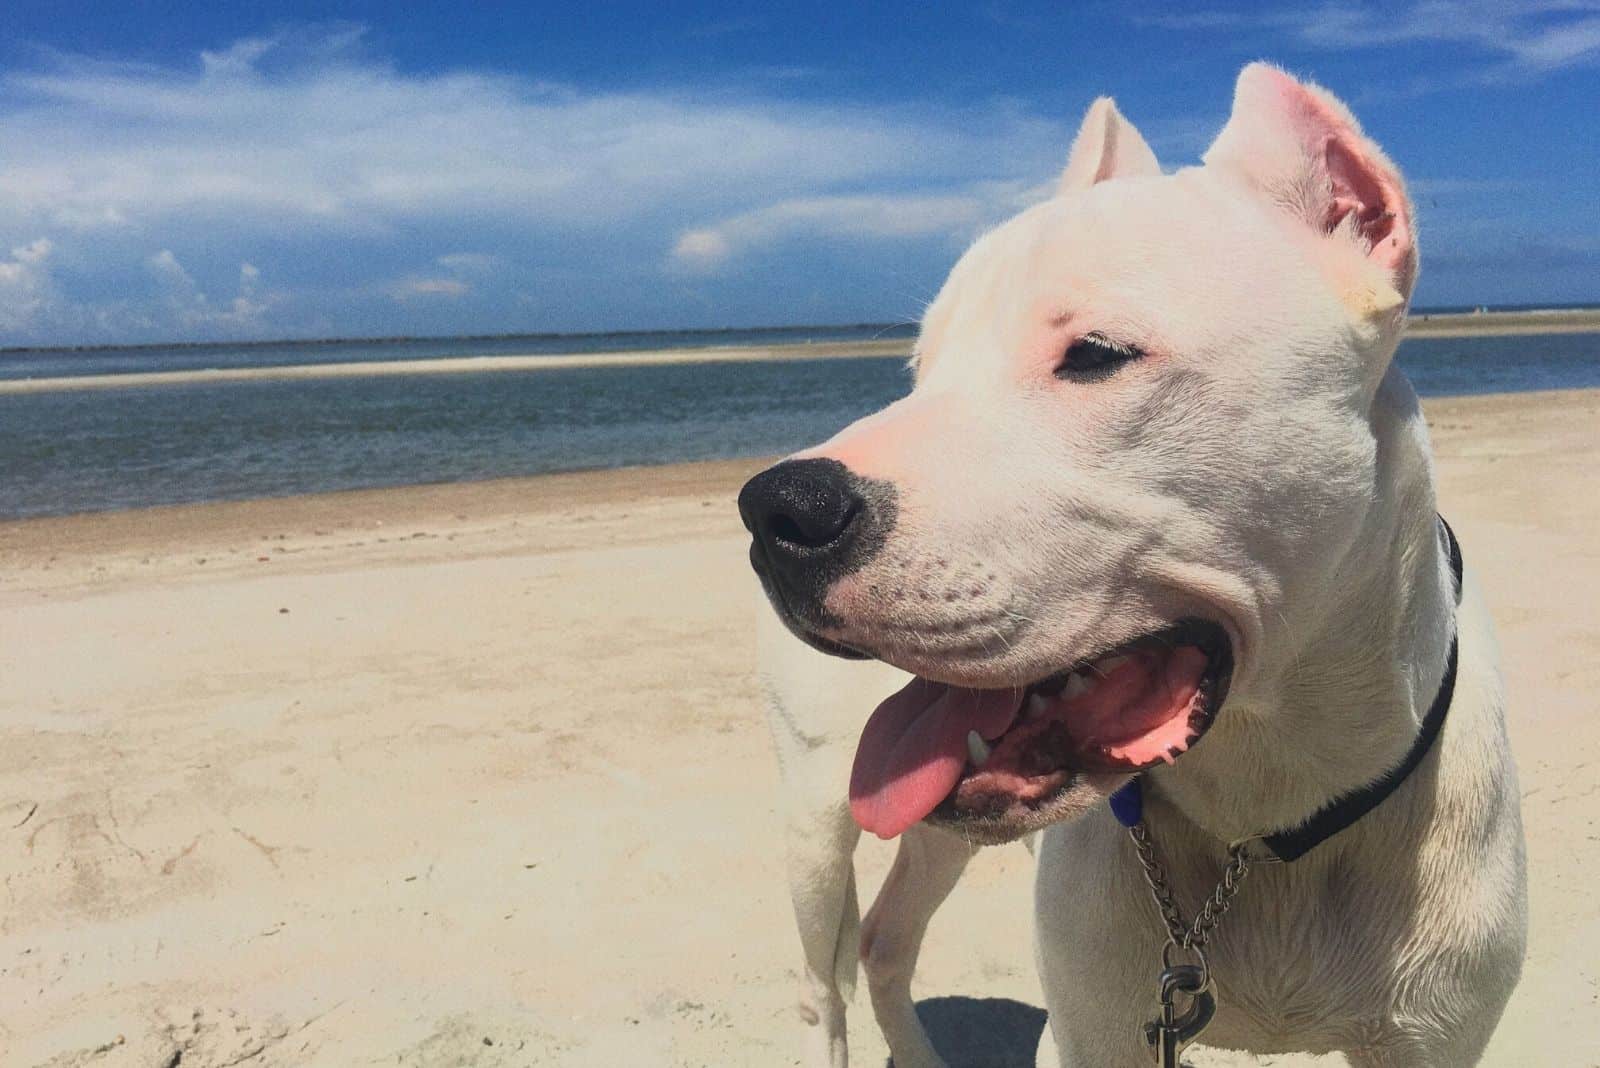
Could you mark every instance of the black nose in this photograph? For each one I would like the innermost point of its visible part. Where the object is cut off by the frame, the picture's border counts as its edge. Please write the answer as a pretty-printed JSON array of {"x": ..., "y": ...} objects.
[{"x": 802, "y": 514}]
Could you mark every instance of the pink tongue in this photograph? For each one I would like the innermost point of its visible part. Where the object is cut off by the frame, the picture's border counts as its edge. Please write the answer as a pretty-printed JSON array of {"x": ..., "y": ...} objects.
[{"x": 913, "y": 748}]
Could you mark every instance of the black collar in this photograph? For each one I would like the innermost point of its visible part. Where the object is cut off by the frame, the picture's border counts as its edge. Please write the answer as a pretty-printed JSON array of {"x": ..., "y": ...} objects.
[{"x": 1341, "y": 812}]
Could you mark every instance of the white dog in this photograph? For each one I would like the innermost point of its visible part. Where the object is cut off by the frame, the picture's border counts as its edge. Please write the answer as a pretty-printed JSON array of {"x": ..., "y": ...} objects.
[{"x": 1159, "y": 510}]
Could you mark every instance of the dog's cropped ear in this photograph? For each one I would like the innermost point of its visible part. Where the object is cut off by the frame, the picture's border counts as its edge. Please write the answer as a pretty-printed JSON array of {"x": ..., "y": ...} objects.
[
  {"x": 1303, "y": 150},
  {"x": 1107, "y": 146}
]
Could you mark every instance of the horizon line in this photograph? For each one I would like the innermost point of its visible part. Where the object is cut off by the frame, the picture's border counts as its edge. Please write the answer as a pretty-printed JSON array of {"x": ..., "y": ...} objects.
[{"x": 519, "y": 335}]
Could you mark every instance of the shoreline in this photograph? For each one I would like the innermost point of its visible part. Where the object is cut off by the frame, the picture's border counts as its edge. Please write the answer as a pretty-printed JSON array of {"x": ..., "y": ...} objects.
[
  {"x": 196, "y": 527},
  {"x": 540, "y": 492},
  {"x": 1448, "y": 325}
]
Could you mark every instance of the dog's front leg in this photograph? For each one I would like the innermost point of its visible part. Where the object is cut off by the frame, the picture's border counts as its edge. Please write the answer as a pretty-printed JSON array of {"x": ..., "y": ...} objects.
[
  {"x": 819, "y": 850},
  {"x": 1094, "y": 1028},
  {"x": 1097, "y": 944},
  {"x": 926, "y": 868}
]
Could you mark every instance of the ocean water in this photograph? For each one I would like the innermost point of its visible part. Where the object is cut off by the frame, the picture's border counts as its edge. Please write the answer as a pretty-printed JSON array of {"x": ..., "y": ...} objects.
[
  {"x": 95, "y": 450},
  {"x": 53, "y": 363}
]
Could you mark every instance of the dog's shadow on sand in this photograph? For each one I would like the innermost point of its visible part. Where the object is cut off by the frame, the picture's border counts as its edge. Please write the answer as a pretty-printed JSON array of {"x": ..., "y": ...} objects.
[{"x": 983, "y": 1032}]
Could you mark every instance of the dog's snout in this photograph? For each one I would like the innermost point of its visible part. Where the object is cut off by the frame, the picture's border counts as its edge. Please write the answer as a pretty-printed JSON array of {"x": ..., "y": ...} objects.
[
  {"x": 812, "y": 522},
  {"x": 800, "y": 511}
]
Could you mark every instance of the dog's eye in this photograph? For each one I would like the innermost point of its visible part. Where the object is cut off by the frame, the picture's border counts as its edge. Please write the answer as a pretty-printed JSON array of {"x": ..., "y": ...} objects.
[{"x": 1094, "y": 356}]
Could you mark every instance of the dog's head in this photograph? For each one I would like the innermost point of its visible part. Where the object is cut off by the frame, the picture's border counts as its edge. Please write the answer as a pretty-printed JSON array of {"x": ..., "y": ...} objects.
[{"x": 1141, "y": 415}]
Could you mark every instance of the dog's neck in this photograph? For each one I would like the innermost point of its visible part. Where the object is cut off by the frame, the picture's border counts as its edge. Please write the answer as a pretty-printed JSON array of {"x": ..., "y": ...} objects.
[{"x": 1345, "y": 697}]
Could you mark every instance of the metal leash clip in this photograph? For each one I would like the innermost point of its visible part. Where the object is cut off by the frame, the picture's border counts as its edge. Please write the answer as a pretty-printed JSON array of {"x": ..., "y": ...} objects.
[{"x": 1168, "y": 1035}]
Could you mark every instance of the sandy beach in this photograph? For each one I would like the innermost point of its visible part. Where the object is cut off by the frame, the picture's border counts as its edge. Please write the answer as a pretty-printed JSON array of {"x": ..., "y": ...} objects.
[{"x": 477, "y": 775}]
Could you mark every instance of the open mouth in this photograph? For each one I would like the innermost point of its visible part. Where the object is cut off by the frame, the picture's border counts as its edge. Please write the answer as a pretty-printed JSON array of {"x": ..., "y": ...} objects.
[{"x": 1000, "y": 760}]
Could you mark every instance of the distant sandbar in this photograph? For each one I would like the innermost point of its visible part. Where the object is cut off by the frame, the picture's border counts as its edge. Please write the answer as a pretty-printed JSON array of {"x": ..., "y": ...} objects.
[{"x": 1469, "y": 324}]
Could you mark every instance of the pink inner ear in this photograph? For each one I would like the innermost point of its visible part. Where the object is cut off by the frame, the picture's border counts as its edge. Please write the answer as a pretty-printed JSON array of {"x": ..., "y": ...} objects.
[
  {"x": 1358, "y": 191},
  {"x": 1360, "y": 186}
]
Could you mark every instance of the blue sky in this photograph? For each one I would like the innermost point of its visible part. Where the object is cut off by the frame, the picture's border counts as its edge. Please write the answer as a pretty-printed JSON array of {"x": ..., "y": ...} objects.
[{"x": 210, "y": 171}]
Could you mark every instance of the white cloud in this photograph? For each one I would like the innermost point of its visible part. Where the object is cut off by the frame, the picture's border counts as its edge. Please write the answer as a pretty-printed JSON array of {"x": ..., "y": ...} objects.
[
  {"x": 702, "y": 249},
  {"x": 33, "y": 305},
  {"x": 24, "y": 284},
  {"x": 430, "y": 287},
  {"x": 1560, "y": 46},
  {"x": 190, "y": 308},
  {"x": 33, "y": 253},
  {"x": 276, "y": 149},
  {"x": 165, "y": 266},
  {"x": 238, "y": 58},
  {"x": 248, "y": 307},
  {"x": 355, "y": 144},
  {"x": 959, "y": 214},
  {"x": 1529, "y": 37},
  {"x": 468, "y": 262}
]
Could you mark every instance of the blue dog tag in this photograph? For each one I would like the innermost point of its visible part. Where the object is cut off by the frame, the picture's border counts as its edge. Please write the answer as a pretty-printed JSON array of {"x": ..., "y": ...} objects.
[{"x": 1127, "y": 804}]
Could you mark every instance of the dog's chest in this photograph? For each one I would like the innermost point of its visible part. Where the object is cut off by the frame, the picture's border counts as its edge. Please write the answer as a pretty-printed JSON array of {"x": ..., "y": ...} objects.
[{"x": 1306, "y": 960}]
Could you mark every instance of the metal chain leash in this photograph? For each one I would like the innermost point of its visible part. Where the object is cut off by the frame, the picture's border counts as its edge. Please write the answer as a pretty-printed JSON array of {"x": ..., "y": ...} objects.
[
  {"x": 1173, "y": 1029},
  {"x": 1181, "y": 935}
]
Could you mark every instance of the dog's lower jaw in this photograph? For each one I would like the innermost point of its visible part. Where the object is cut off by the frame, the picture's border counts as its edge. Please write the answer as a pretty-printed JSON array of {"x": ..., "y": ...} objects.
[
  {"x": 1077, "y": 794},
  {"x": 1000, "y": 762}
]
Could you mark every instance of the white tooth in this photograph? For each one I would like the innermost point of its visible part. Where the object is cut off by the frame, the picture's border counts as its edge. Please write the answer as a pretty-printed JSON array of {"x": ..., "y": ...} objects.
[
  {"x": 977, "y": 749},
  {"x": 1077, "y": 685},
  {"x": 1110, "y": 664},
  {"x": 1038, "y": 703}
]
